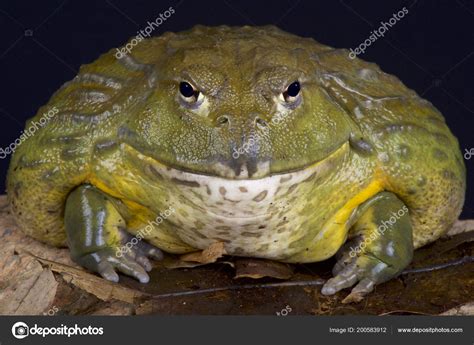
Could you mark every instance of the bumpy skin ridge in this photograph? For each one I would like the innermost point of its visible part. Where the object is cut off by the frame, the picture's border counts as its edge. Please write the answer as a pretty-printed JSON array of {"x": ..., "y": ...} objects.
[
  {"x": 58, "y": 157},
  {"x": 396, "y": 137},
  {"x": 419, "y": 158}
]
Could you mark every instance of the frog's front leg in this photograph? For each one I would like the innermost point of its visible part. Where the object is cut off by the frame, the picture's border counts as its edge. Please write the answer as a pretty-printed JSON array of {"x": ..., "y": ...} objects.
[
  {"x": 96, "y": 238},
  {"x": 381, "y": 249}
]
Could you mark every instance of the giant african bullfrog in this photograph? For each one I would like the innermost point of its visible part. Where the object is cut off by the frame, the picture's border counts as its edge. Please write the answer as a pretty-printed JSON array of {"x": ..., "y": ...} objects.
[{"x": 274, "y": 145}]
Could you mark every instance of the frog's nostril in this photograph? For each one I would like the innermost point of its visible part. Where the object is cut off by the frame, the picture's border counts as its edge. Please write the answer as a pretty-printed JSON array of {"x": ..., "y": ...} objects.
[{"x": 222, "y": 121}]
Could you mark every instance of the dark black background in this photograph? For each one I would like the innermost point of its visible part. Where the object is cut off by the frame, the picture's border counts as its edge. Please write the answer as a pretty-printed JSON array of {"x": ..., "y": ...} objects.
[{"x": 431, "y": 49}]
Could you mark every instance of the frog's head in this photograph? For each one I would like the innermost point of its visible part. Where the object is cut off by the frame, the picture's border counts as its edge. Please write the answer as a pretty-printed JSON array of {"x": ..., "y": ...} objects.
[{"x": 239, "y": 103}]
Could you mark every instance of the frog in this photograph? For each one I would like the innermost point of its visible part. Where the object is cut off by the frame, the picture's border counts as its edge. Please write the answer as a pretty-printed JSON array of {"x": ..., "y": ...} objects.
[{"x": 270, "y": 144}]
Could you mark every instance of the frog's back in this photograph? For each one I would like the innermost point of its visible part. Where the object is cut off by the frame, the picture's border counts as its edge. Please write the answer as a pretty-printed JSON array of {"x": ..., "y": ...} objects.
[{"x": 417, "y": 156}]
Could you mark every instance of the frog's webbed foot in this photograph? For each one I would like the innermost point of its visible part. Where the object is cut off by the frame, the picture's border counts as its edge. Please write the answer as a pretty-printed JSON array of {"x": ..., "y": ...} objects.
[
  {"x": 381, "y": 251},
  {"x": 130, "y": 260},
  {"x": 106, "y": 262},
  {"x": 365, "y": 270},
  {"x": 138, "y": 250},
  {"x": 97, "y": 241}
]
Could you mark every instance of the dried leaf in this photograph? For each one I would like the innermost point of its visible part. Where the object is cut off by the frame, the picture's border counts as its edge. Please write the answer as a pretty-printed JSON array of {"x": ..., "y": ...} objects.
[
  {"x": 208, "y": 255},
  {"x": 26, "y": 287},
  {"x": 464, "y": 310},
  {"x": 404, "y": 312},
  {"x": 461, "y": 226},
  {"x": 116, "y": 308},
  {"x": 93, "y": 284},
  {"x": 353, "y": 297},
  {"x": 173, "y": 263},
  {"x": 259, "y": 268}
]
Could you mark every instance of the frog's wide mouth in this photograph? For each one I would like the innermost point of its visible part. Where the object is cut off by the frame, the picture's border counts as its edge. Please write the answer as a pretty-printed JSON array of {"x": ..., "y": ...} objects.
[
  {"x": 226, "y": 173},
  {"x": 231, "y": 199}
]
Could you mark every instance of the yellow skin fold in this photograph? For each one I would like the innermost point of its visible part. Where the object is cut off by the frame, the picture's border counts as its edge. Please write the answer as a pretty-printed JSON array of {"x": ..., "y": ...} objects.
[{"x": 352, "y": 147}]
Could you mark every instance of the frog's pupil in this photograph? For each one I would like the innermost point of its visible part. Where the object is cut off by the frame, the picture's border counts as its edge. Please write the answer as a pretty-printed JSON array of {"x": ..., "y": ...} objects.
[
  {"x": 293, "y": 89},
  {"x": 186, "y": 89}
]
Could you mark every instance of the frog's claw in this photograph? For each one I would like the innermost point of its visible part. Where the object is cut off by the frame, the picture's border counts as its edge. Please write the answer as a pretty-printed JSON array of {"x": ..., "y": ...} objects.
[
  {"x": 144, "y": 250},
  {"x": 106, "y": 262},
  {"x": 365, "y": 270},
  {"x": 383, "y": 250},
  {"x": 97, "y": 241}
]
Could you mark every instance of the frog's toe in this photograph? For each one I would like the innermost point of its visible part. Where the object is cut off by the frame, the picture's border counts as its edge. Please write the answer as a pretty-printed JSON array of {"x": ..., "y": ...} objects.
[
  {"x": 150, "y": 251},
  {"x": 106, "y": 262},
  {"x": 144, "y": 262},
  {"x": 344, "y": 255},
  {"x": 141, "y": 250},
  {"x": 365, "y": 270},
  {"x": 345, "y": 278},
  {"x": 132, "y": 267},
  {"x": 364, "y": 287},
  {"x": 106, "y": 270}
]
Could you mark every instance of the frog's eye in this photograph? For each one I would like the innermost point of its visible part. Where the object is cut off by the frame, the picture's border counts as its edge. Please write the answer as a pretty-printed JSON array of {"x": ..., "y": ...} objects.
[
  {"x": 188, "y": 92},
  {"x": 292, "y": 91}
]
